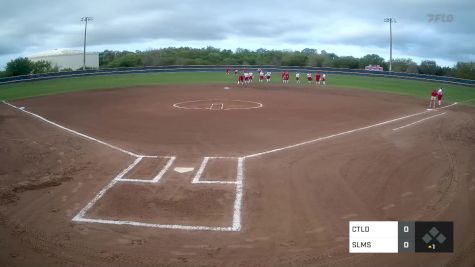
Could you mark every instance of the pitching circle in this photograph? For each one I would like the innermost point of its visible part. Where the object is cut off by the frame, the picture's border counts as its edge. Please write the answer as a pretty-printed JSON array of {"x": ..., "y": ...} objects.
[{"x": 216, "y": 104}]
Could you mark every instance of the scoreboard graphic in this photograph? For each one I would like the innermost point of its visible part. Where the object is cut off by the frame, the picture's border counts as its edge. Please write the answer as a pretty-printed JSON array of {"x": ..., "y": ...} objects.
[{"x": 400, "y": 236}]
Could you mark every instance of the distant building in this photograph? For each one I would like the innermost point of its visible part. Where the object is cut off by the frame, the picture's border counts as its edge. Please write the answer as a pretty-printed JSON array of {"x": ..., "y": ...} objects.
[{"x": 67, "y": 59}]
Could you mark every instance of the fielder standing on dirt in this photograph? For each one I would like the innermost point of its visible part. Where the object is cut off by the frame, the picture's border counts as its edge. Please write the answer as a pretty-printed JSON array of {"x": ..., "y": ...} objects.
[
  {"x": 433, "y": 98},
  {"x": 440, "y": 93}
]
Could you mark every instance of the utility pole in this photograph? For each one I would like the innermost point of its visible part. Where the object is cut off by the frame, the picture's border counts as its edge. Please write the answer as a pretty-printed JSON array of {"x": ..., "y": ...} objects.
[
  {"x": 391, "y": 21},
  {"x": 85, "y": 19}
]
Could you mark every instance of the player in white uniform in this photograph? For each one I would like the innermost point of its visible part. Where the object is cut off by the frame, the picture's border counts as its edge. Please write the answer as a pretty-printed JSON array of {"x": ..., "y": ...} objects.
[
  {"x": 440, "y": 93},
  {"x": 261, "y": 76},
  {"x": 309, "y": 78},
  {"x": 297, "y": 77},
  {"x": 268, "y": 75},
  {"x": 324, "y": 78}
]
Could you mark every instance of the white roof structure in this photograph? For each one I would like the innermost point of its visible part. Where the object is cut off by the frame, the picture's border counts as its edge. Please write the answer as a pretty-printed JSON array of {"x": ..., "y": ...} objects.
[
  {"x": 67, "y": 58},
  {"x": 59, "y": 52}
]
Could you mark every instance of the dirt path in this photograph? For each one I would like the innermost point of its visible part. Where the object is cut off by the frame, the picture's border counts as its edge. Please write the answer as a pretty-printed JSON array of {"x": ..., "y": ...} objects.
[{"x": 296, "y": 202}]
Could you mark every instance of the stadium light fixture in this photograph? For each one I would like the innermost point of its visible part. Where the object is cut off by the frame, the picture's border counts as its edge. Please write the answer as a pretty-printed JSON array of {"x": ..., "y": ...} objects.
[
  {"x": 391, "y": 21},
  {"x": 85, "y": 19}
]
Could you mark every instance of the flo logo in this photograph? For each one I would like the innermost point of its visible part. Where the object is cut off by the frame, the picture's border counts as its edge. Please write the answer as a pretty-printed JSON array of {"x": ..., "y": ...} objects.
[{"x": 442, "y": 18}]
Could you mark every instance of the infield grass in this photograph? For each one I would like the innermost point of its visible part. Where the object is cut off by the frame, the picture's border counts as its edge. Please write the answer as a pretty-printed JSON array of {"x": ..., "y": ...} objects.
[{"x": 9, "y": 92}]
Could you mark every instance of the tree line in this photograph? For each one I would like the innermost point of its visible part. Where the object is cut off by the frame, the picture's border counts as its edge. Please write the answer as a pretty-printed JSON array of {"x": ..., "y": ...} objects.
[
  {"x": 216, "y": 56},
  {"x": 24, "y": 66}
]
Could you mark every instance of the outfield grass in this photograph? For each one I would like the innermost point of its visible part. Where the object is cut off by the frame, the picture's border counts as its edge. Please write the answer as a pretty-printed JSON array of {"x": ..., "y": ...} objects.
[{"x": 422, "y": 89}]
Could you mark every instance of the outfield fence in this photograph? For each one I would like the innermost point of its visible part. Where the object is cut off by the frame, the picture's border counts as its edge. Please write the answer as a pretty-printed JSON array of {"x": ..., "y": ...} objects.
[{"x": 207, "y": 68}]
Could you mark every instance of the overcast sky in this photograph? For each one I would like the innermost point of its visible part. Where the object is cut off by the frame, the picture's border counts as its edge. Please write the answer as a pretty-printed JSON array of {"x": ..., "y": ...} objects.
[{"x": 345, "y": 27}]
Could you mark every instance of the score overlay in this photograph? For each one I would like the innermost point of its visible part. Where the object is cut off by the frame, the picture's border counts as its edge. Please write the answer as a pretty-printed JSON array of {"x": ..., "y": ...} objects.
[{"x": 400, "y": 236}]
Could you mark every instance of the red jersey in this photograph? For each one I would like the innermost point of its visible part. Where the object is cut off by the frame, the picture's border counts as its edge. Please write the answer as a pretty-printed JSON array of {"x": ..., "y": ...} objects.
[
  {"x": 434, "y": 93},
  {"x": 317, "y": 77}
]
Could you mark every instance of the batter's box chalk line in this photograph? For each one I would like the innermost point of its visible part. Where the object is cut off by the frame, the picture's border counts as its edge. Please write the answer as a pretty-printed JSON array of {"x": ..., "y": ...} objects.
[
  {"x": 238, "y": 181},
  {"x": 235, "y": 224}
]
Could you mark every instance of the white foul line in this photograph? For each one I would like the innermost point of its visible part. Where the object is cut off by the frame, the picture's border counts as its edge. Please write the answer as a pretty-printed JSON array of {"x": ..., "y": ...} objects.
[
  {"x": 238, "y": 200},
  {"x": 78, "y": 133},
  {"x": 342, "y": 133},
  {"x": 80, "y": 216},
  {"x": 237, "y": 207},
  {"x": 407, "y": 125}
]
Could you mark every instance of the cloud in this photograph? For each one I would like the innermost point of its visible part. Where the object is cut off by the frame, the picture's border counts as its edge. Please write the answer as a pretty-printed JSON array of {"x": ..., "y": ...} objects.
[{"x": 345, "y": 27}]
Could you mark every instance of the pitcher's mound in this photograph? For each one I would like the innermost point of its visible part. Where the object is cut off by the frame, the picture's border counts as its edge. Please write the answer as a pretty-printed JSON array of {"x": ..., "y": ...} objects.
[{"x": 217, "y": 104}]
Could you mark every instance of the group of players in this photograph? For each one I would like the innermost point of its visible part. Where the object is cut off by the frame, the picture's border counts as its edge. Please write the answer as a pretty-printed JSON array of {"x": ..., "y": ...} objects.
[
  {"x": 245, "y": 77},
  {"x": 436, "y": 95}
]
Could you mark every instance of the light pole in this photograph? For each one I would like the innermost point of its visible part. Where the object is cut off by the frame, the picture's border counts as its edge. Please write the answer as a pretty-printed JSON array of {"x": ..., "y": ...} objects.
[
  {"x": 391, "y": 21},
  {"x": 85, "y": 19}
]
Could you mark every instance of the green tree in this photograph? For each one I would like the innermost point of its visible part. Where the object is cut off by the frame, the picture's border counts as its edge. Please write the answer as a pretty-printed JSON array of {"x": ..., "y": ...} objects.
[
  {"x": 129, "y": 60},
  {"x": 412, "y": 69},
  {"x": 428, "y": 67},
  {"x": 293, "y": 59},
  {"x": 403, "y": 64},
  {"x": 211, "y": 55},
  {"x": 43, "y": 66},
  {"x": 464, "y": 70},
  {"x": 370, "y": 59},
  {"x": 309, "y": 51},
  {"x": 347, "y": 62},
  {"x": 19, "y": 66},
  {"x": 106, "y": 57},
  {"x": 214, "y": 58}
]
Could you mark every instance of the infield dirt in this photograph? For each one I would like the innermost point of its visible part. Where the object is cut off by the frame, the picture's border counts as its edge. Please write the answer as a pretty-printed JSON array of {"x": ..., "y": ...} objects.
[{"x": 297, "y": 202}]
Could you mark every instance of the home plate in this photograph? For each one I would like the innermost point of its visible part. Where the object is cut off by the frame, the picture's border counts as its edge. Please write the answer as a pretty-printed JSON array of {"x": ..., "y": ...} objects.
[
  {"x": 226, "y": 88},
  {"x": 183, "y": 169},
  {"x": 22, "y": 108}
]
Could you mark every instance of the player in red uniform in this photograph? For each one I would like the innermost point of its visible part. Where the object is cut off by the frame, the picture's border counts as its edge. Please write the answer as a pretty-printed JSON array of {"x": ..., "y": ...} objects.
[
  {"x": 433, "y": 98},
  {"x": 283, "y": 76},
  {"x": 241, "y": 79},
  {"x": 286, "y": 77},
  {"x": 228, "y": 71},
  {"x": 246, "y": 77},
  {"x": 317, "y": 78}
]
